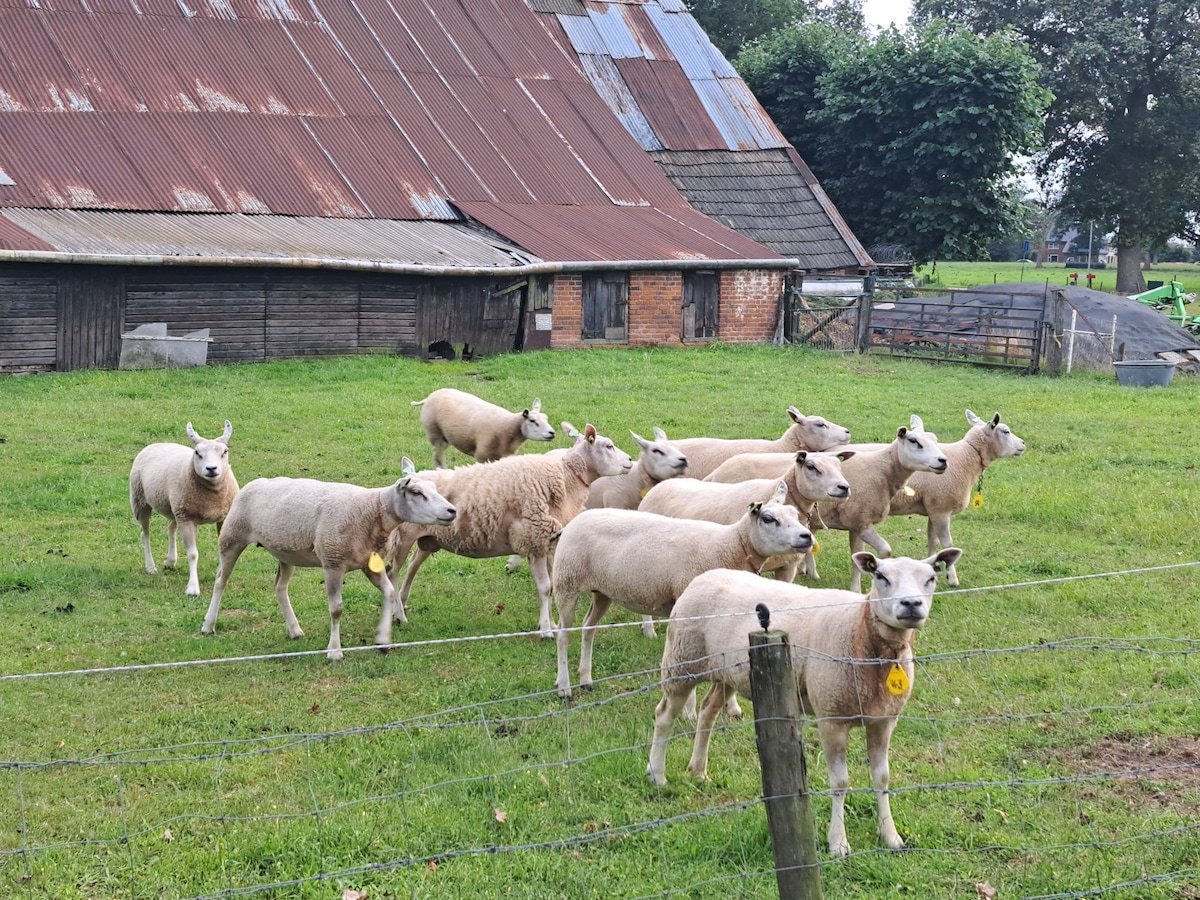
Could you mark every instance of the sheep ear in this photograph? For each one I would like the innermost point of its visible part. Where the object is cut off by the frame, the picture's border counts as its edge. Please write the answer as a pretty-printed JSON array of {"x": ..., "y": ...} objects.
[
  {"x": 944, "y": 559},
  {"x": 901, "y": 431},
  {"x": 589, "y": 432},
  {"x": 795, "y": 414},
  {"x": 780, "y": 494},
  {"x": 537, "y": 404},
  {"x": 659, "y": 434},
  {"x": 973, "y": 419},
  {"x": 801, "y": 455},
  {"x": 571, "y": 431},
  {"x": 191, "y": 432},
  {"x": 641, "y": 441},
  {"x": 407, "y": 467},
  {"x": 915, "y": 423},
  {"x": 995, "y": 420},
  {"x": 844, "y": 455},
  {"x": 865, "y": 561},
  {"x": 525, "y": 413},
  {"x": 755, "y": 508}
]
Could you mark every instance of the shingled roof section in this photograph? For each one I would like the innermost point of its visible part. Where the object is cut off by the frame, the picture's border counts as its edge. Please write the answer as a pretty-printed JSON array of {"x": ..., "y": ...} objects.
[
  {"x": 327, "y": 110},
  {"x": 765, "y": 195}
]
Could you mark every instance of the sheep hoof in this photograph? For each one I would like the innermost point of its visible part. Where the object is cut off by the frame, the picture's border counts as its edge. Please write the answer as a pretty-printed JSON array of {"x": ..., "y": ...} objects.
[
  {"x": 656, "y": 780},
  {"x": 547, "y": 634},
  {"x": 589, "y": 687},
  {"x": 192, "y": 592},
  {"x": 297, "y": 634},
  {"x": 333, "y": 655},
  {"x": 841, "y": 848},
  {"x": 151, "y": 570}
]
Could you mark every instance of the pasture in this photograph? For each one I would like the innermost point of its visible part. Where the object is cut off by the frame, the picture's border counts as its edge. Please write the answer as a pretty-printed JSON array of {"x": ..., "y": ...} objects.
[
  {"x": 970, "y": 274},
  {"x": 1050, "y": 747}
]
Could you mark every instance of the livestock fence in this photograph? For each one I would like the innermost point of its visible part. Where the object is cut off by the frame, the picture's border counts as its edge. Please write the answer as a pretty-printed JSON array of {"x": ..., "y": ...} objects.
[
  {"x": 1061, "y": 768},
  {"x": 1026, "y": 331}
]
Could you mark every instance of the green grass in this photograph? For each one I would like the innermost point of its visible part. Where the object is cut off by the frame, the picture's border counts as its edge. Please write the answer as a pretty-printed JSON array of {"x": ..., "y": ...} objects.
[
  {"x": 971, "y": 274},
  {"x": 385, "y": 773}
]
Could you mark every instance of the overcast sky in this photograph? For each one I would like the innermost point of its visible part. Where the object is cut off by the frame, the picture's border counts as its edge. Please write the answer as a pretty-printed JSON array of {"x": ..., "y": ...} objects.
[{"x": 882, "y": 13}]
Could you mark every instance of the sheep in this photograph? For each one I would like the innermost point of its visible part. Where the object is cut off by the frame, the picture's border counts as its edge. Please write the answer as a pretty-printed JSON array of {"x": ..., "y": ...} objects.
[
  {"x": 658, "y": 461},
  {"x": 808, "y": 433},
  {"x": 852, "y": 658},
  {"x": 329, "y": 525},
  {"x": 945, "y": 496},
  {"x": 518, "y": 504},
  {"x": 478, "y": 428},
  {"x": 190, "y": 486},
  {"x": 643, "y": 561},
  {"x": 875, "y": 476},
  {"x": 810, "y": 478}
]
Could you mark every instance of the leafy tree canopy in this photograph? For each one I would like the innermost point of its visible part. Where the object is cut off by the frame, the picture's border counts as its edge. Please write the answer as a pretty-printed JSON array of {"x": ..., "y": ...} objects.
[
  {"x": 1121, "y": 134},
  {"x": 912, "y": 134}
]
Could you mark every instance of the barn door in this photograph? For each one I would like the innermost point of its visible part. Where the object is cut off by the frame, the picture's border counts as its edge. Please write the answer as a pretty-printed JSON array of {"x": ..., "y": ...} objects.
[
  {"x": 606, "y": 306},
  {"x": 700, "y": 291}
]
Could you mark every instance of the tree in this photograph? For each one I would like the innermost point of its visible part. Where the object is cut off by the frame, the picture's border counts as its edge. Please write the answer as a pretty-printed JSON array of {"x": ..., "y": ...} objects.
[
  {"x": 912, "y": 134},
  {"x": 1121, "y": 134},
  {"x": 731, "y": 24}
]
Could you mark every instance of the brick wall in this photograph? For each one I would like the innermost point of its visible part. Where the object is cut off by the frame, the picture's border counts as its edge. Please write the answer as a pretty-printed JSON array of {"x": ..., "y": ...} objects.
[{"x": 747, "y": 308}]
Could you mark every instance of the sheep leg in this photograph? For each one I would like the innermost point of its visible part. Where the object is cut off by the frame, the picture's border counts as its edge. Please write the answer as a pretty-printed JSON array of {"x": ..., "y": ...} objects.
[
  {"x": 391, "y": 600},
  {"x": 143, "y": 517},
  {"x": 333, "y": 588},
  {"x": 419, "y": 556},
  {"x": 879, "y": 738},
  {"x": 539, "y": 567},
  {"x": 665, "y": 714},
  {"x": 565, "y": 602},
  {"x": 938, "y": 533},
  {"x": 172, "y": 551},
  {"x": 187, "y": 532},
  {"x": 229, "y": 558},
  {"x": 513, "y": 563},
  {"x": 283, "y": 574},
  {"x": 834, "y": 736},
  {"x": 600, "y": 605},
  {"x": 810, "y": 565},
  {"x": 713, "y": 701}
]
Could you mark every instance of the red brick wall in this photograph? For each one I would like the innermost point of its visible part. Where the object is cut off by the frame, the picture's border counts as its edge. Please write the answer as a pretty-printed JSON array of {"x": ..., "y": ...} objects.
[{"x": 748, "y": 307}]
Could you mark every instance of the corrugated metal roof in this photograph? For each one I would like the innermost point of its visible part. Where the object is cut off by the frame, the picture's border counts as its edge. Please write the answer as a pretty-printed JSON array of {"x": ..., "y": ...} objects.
[{"x": 353, "y": 110}]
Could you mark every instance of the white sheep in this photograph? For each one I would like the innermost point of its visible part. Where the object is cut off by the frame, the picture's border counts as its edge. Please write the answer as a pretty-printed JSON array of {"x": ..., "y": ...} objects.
[
  {"x": 941, "y": 497},
  {"x": 478, "y": 428},
  {"x": 807, "y": 433},
  {"x": 875, "y": 476},
  {"x": 658, "y": 461},
  {"x": 328, "y": 525},
  {"x": 518, "y": 504},
  {"x": 851, "y": 655},
  {"x": 191, "y": 486},
  {"x": 644, "y": 561},
  {"x": 811, "y": 477}
]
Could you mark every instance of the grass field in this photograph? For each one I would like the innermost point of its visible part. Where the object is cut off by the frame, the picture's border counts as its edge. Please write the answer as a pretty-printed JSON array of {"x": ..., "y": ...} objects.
[
  {"x": 970, "y": 274},
  {"x": 1050, "y": 748}
]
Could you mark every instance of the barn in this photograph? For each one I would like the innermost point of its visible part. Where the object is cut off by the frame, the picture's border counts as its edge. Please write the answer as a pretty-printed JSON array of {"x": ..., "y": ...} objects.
[{"x": 416, "y": 177}]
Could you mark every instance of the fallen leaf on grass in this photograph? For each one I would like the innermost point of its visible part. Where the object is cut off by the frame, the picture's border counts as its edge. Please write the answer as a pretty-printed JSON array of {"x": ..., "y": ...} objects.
[
  {"x": 985, "y": 890},
  {"x": 167, "y": 836},
  {"x": 349, "y": 894},
  {"x": 501, "y": 815}
]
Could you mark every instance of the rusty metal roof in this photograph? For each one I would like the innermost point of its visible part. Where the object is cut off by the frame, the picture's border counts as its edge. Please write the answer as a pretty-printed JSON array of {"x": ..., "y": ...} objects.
[{"x": 370, "y": 111}]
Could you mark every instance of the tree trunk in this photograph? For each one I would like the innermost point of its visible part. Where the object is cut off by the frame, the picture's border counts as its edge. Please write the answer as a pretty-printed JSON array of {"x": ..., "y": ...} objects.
[{"x": 1129, "y": 269}]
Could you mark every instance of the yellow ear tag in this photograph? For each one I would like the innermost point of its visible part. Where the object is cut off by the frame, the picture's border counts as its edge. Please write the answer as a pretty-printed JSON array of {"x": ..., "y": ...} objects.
[
  {"x": 645, "y": 491},
  {"x": 816, "y": 547},
  {"x": 909, "y": 492},
  {"x": 977, "y": 500},
  {"x": 375, "y": 563},
  {"x": 897, "y": 680}
]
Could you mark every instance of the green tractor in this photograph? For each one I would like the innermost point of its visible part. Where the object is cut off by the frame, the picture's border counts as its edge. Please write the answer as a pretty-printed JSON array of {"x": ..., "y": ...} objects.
[{"x": 1170, "y": 298}]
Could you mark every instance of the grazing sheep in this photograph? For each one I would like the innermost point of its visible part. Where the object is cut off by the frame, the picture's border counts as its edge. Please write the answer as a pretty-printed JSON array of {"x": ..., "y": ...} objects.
[
  {"x": 518, "y": 504},
  {"x": 328, "y": 525},
  {"x": 851, "y": 654},
  {"x": 808, "y": 433},
  {"x": 478, "y": 428},
  {"x": 190, "y": 486},
  {"x": 942, "y": 497},
  {"x": 810, "y": 478},
  {"x": 644, "y": 561}
]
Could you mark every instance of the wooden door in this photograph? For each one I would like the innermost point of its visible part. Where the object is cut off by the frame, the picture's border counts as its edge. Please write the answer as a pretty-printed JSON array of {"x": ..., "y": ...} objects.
[{"x": 606, "y": 307}]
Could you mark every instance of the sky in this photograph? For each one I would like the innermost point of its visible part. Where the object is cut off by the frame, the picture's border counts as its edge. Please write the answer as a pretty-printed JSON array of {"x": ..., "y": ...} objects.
[{"x": 882, "y": 13}]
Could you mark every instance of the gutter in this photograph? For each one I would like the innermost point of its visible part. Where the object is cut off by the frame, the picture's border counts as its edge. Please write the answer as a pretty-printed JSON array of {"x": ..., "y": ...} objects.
[{"x": 368, "y": 265}]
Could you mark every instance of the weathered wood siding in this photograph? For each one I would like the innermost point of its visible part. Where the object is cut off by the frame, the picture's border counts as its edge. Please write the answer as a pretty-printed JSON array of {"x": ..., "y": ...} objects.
[{"x": 28, "y": 320}]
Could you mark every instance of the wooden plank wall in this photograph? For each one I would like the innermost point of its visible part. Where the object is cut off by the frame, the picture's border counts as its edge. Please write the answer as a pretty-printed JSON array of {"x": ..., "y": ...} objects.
[{"x": 28, "y": 321}]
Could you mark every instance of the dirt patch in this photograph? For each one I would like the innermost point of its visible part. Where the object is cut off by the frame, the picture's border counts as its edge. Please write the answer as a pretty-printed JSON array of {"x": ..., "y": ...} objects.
[{"x": 1156, "y": 768}]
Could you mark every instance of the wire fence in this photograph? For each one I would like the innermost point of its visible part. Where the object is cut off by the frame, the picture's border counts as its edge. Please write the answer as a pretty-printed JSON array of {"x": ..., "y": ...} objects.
[{"x": 997, "y": 742}]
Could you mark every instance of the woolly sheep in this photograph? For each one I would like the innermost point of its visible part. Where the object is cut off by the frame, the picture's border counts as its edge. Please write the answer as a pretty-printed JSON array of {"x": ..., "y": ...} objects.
[
  {"x": 190, "y": 486},
  {"x": 810, "y": 478},
  {"x": 808, "y": 433},
  {"x": 875, "y": 476},
  {"x": 851, "y": 654},
  {"x": 478, "y": 428},
  {"x": 644, "y": 561},
  {"x": 941, "y": 497},
  {"x": 514, "y": 505},
  {"x": 328, "y": 525}
]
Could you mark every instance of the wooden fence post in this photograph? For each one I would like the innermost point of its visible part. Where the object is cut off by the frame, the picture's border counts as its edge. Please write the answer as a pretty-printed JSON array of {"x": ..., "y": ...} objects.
[{"x": 778, "y": 729}]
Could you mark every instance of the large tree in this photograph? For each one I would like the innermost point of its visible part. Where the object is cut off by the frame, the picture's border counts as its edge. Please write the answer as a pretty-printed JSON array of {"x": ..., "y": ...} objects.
[
  {"x": 1123, "y": 132},
  {"x": 913, "y": 134}
]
